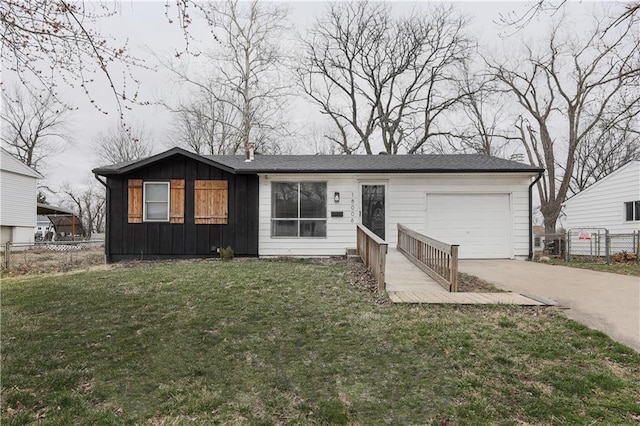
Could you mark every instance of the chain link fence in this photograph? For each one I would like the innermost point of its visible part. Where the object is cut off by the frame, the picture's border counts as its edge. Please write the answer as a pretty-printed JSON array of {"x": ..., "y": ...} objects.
[
  {"x": 41, "y": 257},
  {"x": 624, "y": 247},
  {"x": 589, "y": 245}
]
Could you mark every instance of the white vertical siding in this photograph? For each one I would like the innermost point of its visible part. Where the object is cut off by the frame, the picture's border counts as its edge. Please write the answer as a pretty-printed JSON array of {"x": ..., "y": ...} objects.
[
  {"x": 405, "y": 203},
  {"x": 602, "y": 204}
]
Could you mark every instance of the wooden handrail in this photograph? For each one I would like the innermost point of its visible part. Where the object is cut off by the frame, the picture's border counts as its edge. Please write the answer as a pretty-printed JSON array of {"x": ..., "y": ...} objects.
[
  {"x": 437, "y": 259},
  {"x": 373, "y": 252}
]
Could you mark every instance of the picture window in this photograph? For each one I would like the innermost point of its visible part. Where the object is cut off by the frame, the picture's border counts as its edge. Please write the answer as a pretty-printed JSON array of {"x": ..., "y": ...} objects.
[{"x": 299, "y": 209}]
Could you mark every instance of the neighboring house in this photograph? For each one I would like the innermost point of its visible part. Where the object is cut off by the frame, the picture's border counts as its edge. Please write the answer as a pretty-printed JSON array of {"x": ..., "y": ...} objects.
[
  {"x": 612, "y": 203},
  {"x": 43, "y": 225},
  {"x": 179, "y": 204},
  {"x": 18, "y": 194}
]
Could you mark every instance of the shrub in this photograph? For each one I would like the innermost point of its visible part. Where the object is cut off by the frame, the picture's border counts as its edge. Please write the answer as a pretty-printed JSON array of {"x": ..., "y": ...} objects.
[{"x": 226, "y": 253}]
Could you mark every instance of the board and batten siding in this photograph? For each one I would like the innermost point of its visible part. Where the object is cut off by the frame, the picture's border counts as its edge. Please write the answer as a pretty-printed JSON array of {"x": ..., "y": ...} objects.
[
  {"x": 183, "y": 237},
  {"x": 406, "y": 198},
  {"x": 18, "y": 186},
  {"x": 602, "y": 204}
]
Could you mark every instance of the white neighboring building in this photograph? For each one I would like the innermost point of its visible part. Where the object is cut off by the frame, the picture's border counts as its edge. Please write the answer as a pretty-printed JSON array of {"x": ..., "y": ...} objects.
[
  {"x": 18, "y": 194},
  {"x": 612, "y": 203}
]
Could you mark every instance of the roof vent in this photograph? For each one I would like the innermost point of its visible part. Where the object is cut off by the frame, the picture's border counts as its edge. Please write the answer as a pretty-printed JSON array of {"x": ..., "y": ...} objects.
[{"x": 383, "y": 153}]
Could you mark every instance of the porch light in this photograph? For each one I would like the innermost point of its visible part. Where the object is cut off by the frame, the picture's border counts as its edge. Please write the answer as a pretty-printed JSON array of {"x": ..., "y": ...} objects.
[{"x": 336, "y": 197}]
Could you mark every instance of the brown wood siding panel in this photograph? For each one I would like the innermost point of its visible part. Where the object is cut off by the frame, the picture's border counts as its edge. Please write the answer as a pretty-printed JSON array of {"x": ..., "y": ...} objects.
[
  {"x": 176, "y": 211},
  {"x": 134, "y": 201},
  {"x": 211, "y": 202}
]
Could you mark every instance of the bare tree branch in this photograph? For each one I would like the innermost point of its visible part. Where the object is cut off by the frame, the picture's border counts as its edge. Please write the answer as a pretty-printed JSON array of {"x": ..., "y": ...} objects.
[
  {"x": 34, "y": 127},
  {"x": 241, "y": 95},
  {"x": 581, "y": 85},
  {"x": 121, "y": 143},
  {"x": 45, "y": 41},
  {"x": 384, "y": 78}
]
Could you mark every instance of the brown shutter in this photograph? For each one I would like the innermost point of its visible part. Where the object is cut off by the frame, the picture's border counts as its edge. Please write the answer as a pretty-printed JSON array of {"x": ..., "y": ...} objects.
[
  {"x": 211, "y": 202},
  {"x": 176, "y": 210},
  {"x": 134, "y": 201}
]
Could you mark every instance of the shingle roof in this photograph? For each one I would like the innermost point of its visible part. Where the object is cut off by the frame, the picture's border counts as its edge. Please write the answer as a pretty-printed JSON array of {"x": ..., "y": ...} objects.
[
  {"x": 461, "y": 163},
  {"x": 371, "y": 163}
]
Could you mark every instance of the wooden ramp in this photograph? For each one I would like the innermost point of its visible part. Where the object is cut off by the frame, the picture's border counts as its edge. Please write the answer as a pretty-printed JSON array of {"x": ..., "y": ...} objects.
[{"x": 406, "y": 283}]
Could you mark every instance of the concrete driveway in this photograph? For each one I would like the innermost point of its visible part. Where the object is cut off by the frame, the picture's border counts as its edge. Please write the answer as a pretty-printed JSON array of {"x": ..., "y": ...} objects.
[{"x": 600, "y": 300}]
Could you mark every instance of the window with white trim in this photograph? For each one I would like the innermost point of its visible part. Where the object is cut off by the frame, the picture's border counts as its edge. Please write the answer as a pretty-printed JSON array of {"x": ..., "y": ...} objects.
[
  {"x": 632, "y": 211},
  {"x": 299, "y": 209},
  {"x": 156, "y": 201}
]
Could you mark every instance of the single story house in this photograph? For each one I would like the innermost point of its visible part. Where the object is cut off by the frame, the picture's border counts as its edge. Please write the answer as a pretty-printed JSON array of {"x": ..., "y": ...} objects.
[
  {"x": 612, "y": 203},
  {"x": 179, "y": 204},
  {"x": 19, "y": 193}
]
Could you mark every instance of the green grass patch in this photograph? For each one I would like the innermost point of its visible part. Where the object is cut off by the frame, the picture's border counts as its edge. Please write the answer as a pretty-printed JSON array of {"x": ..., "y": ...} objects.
[
  {"x": 623, "y": 268},
  {"x": 292, "y": 342}
]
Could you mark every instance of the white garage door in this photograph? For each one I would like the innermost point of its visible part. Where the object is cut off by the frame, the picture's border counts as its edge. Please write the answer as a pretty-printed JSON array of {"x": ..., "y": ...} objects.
[{"x": 479, "y": 223}]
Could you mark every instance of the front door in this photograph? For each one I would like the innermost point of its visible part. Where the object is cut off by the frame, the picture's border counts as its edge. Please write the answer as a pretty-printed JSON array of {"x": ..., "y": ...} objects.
[{"x": 373, "y": 208}]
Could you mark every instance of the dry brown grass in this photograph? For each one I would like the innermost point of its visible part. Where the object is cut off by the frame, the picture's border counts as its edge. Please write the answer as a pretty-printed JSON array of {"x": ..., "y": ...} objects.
[{"x": 43, "y": 259}]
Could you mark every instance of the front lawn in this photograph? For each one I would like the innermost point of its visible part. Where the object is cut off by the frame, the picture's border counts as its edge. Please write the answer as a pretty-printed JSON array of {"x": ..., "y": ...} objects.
[{"x": 292, "y": 342}]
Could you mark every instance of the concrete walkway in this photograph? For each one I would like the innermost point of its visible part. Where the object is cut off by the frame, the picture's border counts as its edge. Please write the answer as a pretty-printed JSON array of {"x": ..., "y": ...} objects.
[
  {"x": 406, "y": 283},
  {"x": 600, "y": 300}
]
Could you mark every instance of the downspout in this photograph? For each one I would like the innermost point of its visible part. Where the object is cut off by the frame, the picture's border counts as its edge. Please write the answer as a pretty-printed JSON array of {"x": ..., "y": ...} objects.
[
  {"x": 106, "y": 220},
  {"x": 540, "y": 174}
]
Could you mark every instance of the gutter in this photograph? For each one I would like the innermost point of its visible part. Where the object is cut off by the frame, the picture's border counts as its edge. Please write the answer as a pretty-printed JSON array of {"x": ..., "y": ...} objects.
[
  {"x": 540, "y": 174},
  {"x": 107, "y": 226}
]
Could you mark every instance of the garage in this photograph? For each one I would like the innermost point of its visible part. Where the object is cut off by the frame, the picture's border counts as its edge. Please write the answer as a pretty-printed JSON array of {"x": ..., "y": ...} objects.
[{"x": 480, "y": 223}]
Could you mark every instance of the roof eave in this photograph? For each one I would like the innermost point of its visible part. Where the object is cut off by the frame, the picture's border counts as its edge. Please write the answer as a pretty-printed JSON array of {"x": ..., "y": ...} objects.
[{"x": 106, "y": 171}]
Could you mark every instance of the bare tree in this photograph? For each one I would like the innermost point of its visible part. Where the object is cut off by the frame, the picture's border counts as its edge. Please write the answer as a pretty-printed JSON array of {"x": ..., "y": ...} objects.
[
  {"x": 382, "y": 78},
  {"x": 483, "y": 125},
  {"x": 44, "y": 41},
  {"x": 565, "y": 91},
  {"x": 121, "y": 143},
  {"x": 89, "y": 203},
  {"x": 519, "y": 20},
  {"x": 242, "y": 93},
  {"x": 34, "y": 127},
  {"x": 603, "y": 152},
  {"x": 207, "y": 126}
]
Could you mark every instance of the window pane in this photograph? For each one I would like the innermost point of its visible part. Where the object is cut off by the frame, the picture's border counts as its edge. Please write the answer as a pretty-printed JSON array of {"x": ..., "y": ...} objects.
[
  {"x": 313, "y": 199},
  {"x": 157, "y": 211},
  {"x": 313, "y": 228},
  {"x": 156, "y": 192},
  {"x": 284, "y": 200},
  {"x": 285, "y": 228},
  {"x": 637, "y": 210},
  {"x": 629, "y": 211}
]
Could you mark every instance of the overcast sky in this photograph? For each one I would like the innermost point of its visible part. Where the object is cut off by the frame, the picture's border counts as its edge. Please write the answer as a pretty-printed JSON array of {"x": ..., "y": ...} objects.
[{"x": 144, "y": 24}]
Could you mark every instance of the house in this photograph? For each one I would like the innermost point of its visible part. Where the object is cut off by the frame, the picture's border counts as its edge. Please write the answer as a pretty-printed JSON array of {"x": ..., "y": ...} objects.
[
  {"x": 43, "y": 226},
  {"x": 18, "y": 192},
  {"x": 612, "y": 203},
  {"x": 179, "y": 204}
]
